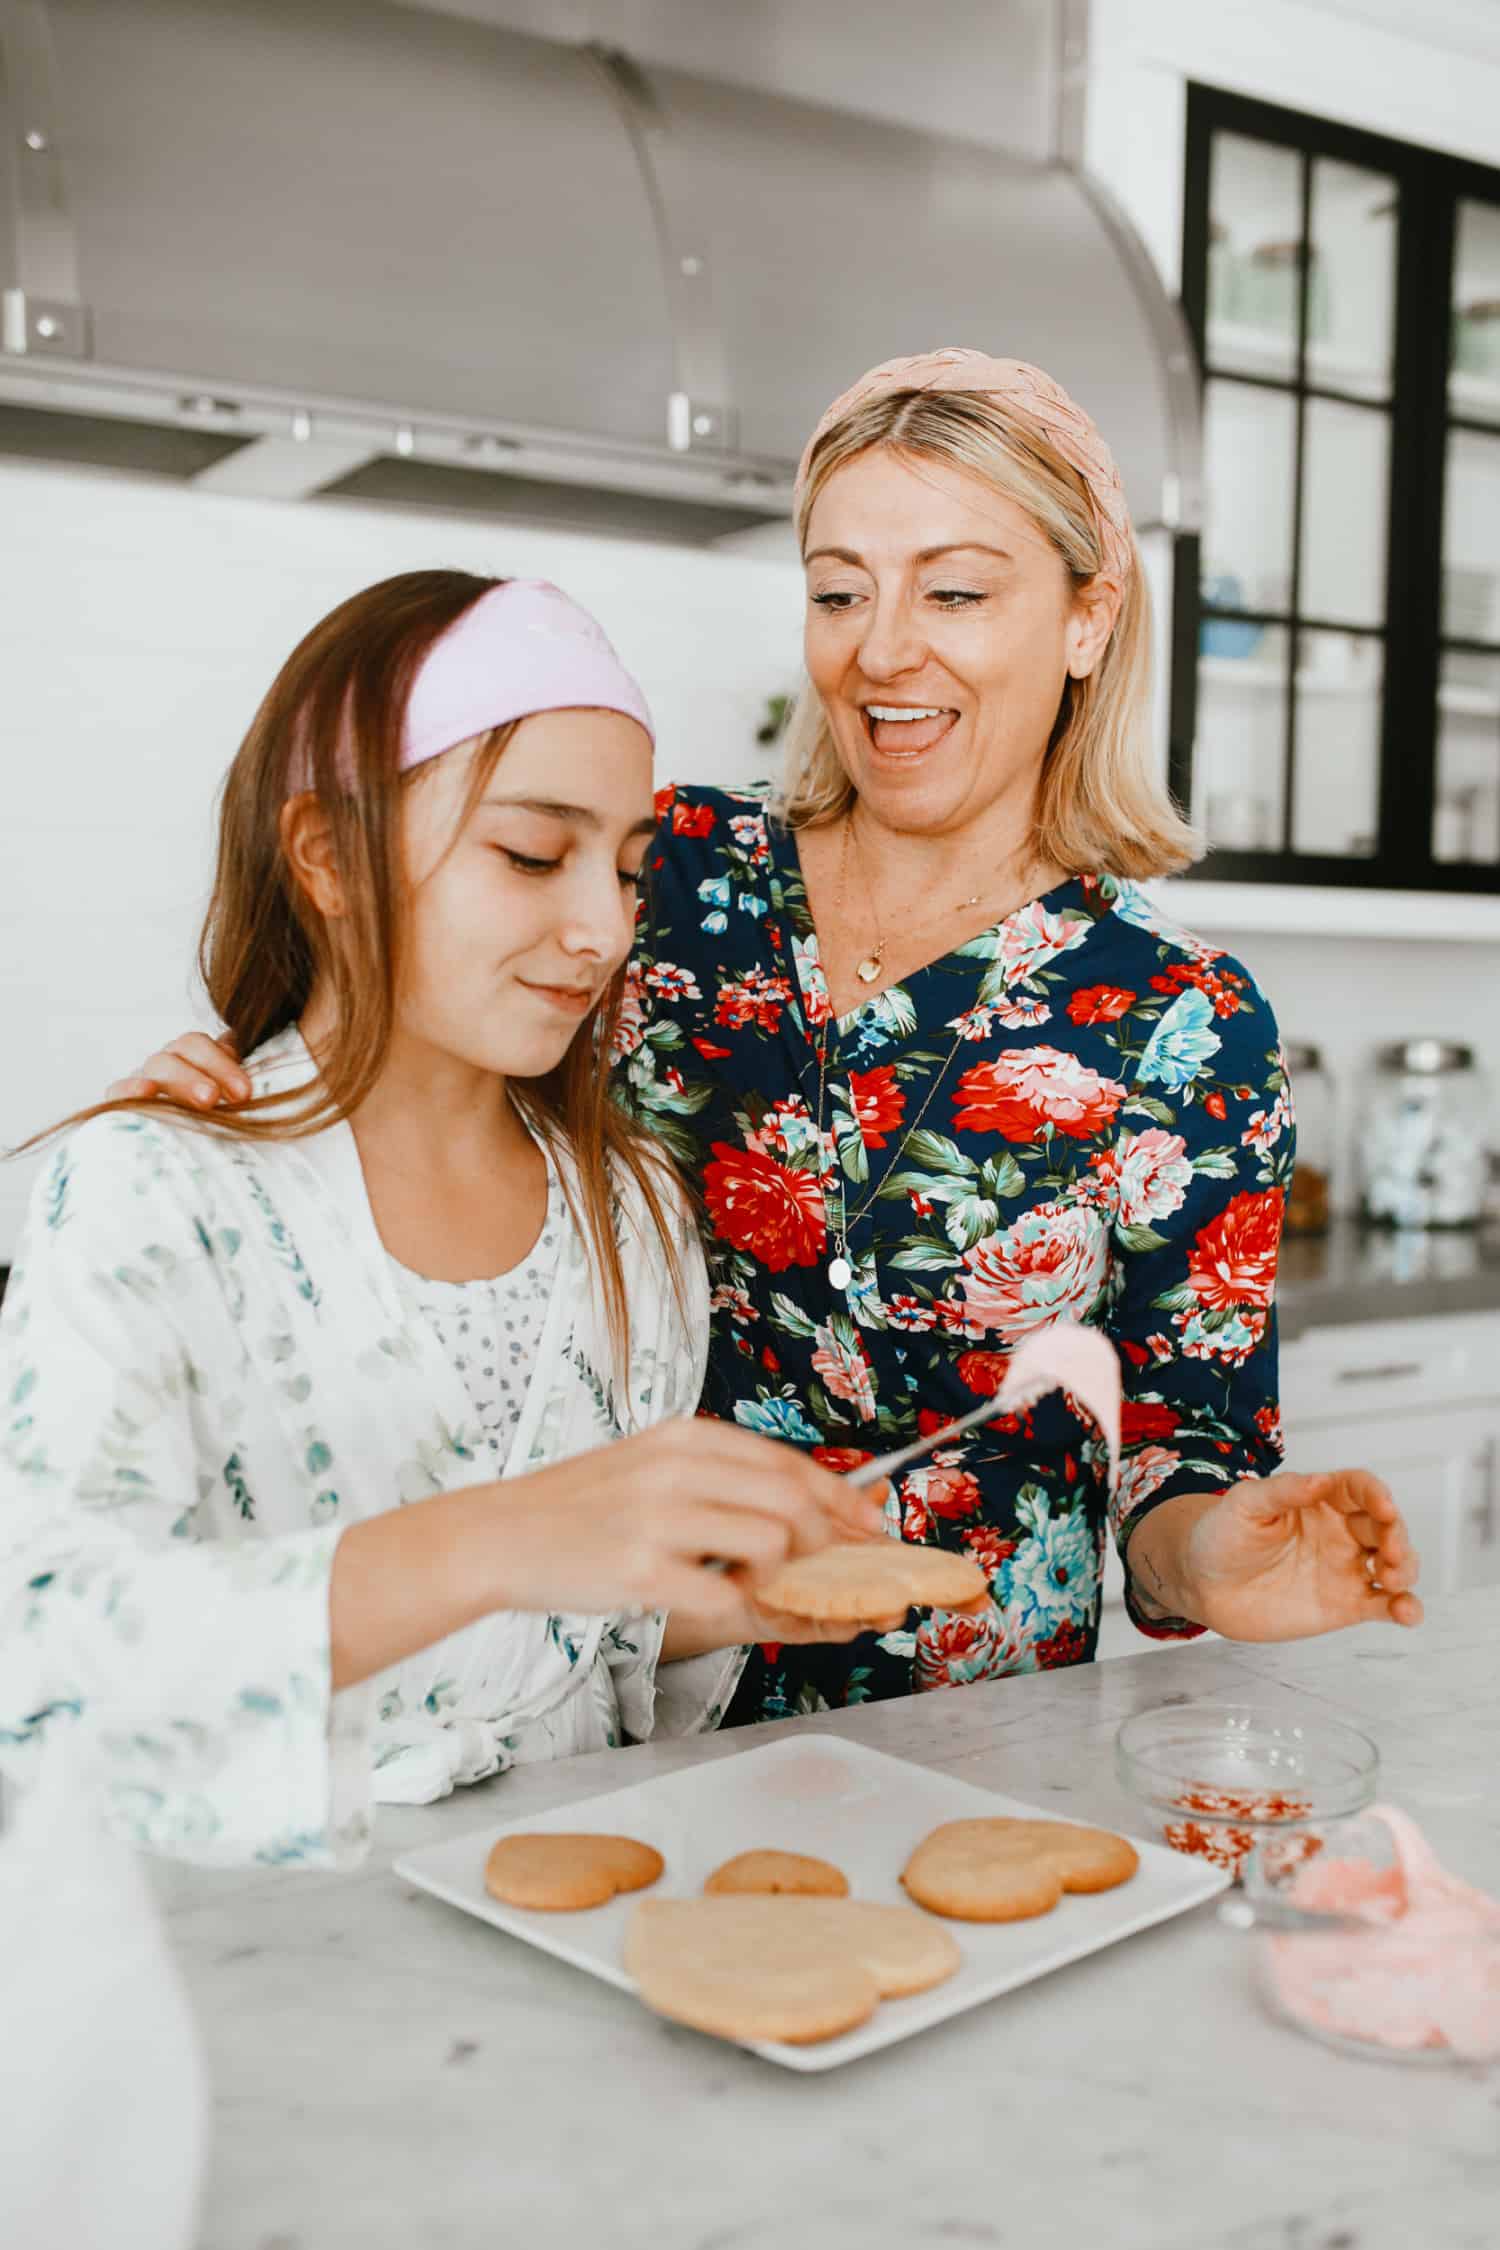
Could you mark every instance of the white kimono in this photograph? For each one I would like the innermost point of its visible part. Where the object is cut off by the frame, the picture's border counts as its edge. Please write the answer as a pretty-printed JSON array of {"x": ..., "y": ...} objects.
[{"x": 208, "y": 1367}]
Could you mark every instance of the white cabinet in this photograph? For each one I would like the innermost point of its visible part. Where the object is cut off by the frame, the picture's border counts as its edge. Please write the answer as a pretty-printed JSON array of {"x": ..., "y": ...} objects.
[{"x": 1417, "y": 1401}]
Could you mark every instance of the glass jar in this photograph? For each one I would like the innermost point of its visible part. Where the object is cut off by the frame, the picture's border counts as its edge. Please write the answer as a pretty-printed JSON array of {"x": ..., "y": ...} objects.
[
  {"x": 1423, "y": 1141},
  {"x": 1360, "y": 1952},
  {"x": 1310, "y": 1202}
]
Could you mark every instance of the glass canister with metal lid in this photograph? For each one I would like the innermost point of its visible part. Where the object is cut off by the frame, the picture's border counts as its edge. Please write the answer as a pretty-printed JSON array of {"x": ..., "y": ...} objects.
[
  {"x": 1310, "y": 1202},
  {"x": 1423, "y": 1143}
]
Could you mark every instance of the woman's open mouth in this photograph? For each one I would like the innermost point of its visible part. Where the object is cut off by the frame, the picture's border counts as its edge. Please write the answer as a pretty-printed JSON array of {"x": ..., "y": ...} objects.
[{"x": 907, "y": 730}]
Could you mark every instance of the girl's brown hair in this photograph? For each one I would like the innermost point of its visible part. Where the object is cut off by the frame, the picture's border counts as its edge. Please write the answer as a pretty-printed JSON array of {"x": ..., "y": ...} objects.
[
  {"x": 1102, "y": 806},
  {"x": 331, "y": 723}
]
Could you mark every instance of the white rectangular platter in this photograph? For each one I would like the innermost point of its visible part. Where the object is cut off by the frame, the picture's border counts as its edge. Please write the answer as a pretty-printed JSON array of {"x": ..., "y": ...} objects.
[{"x": 859, "y": 1808}]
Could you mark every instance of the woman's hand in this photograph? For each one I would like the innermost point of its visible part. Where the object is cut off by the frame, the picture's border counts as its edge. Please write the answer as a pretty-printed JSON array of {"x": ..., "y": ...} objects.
[
  {"x": 641, "y": 1524},
  {"x": 195, "y": 1069},
  {"x": 1282, "y": 1557}
]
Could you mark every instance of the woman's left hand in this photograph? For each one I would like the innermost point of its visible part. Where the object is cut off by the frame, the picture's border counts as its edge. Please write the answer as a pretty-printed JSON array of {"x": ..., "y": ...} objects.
[{"x": 1282, "y": 1557}]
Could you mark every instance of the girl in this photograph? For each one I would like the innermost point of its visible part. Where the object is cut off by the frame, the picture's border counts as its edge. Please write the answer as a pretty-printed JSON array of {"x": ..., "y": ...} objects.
[{"x": 271, "y": 1387}]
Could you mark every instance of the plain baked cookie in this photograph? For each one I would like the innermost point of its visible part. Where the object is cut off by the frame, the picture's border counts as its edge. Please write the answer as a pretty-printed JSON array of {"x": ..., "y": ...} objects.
[
  {"x": 560, "y": 1874},
  {"x": 793, "y": 1874},
  {"x": 875, "y": 1579},
  {"x": 792, "y": 1969},
  {"x": 1005, "y": 1870}
]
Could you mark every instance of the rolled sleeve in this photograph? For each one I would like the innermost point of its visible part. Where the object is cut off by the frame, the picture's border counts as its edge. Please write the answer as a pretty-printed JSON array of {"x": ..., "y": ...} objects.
[
  {"x": 1195, "y": 1251},
  {"x": 194, "y": 1675}
]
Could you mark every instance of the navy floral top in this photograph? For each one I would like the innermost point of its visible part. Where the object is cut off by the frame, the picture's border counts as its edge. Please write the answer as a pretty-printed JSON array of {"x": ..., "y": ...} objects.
[{"x": 1105, "y": 1134}]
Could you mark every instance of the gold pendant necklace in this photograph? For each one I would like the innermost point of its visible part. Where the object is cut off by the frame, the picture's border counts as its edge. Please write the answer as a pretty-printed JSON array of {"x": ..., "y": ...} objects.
[
  {"x": 871, "y": 968},
  {"x": 840, "y": 1265}
]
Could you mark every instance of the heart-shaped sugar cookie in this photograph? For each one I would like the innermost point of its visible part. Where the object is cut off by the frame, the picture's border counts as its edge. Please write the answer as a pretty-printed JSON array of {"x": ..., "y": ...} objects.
[{"x": 793, "y": 1969}]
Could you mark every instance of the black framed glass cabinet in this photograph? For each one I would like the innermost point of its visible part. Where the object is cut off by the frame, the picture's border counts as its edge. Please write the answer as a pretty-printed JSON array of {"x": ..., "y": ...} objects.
[{"x": 1336, "y": 626}]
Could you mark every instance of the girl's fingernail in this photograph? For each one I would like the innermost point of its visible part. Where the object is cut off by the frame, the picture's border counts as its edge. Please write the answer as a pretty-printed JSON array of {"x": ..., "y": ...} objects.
[{"x": 202, "y": 1090}]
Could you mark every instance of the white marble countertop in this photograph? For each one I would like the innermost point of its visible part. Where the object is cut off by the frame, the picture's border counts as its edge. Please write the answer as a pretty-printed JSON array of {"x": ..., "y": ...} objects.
[{"x": 392, "y": 2075}]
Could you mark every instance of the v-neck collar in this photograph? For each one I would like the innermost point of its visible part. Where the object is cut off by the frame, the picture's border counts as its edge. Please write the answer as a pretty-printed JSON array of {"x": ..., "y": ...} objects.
[
  {"x": 805, "y": 960},
  {"x": 330, "y": 1159}
]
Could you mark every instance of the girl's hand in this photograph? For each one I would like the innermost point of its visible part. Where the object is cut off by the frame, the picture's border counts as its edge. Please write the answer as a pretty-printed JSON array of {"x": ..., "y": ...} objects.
[
  {"x": 196, "y": 1069},
  {"x": 644, "y": 1523},
  {"x": 690, "y": 1633},
  {"x": 633, "y": 1526},
  {"x": 1282, "y": 1557}
]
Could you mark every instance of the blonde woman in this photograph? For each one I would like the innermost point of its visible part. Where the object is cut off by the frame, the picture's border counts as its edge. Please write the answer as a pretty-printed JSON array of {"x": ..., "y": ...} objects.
[{"x": 941, "y": 1072}]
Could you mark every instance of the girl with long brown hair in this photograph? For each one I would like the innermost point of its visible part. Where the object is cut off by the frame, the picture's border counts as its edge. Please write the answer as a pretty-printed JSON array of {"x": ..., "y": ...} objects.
[{"x": 300, "y": 1501}]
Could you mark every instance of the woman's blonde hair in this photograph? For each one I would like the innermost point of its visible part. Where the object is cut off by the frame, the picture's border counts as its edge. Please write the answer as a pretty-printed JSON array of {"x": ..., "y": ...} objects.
[{"x": 1102, "y": 806}]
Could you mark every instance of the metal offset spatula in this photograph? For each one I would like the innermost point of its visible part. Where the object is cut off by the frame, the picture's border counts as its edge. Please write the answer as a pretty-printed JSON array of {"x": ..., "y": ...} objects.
[
  {"x": 874, "y": 1472},
  {"x": 1062, "y": 1357}
]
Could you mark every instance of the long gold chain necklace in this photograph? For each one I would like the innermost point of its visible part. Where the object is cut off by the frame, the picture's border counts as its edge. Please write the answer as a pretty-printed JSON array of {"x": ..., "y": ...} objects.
[{"x": 840, "y": 1265}]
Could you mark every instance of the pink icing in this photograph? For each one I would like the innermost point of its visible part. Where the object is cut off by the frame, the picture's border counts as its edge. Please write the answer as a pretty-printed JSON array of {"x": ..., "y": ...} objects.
[
  {"x": 1067, "y": 1357},
  {"x": 1427, "y": 1972}
]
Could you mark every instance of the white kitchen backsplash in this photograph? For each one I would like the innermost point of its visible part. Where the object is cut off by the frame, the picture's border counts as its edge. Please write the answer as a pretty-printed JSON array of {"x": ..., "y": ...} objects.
[
  {"x": 139, "y": 626},
  {"x": 140, "y": 623}
]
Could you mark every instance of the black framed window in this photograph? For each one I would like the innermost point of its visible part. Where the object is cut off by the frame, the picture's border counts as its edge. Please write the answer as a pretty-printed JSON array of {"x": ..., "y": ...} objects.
[{"x": 1336, "y": 688}]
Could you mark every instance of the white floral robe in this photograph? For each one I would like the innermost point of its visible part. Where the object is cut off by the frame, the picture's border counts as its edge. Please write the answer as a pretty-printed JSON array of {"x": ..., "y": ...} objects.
[{"x": 208, "y": 1368}]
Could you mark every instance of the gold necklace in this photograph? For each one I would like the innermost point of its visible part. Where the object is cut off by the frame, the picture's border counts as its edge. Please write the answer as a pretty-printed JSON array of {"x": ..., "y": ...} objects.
[
  {"x": 871, "y": 967},
  {"x": 840, "y": 1265}
]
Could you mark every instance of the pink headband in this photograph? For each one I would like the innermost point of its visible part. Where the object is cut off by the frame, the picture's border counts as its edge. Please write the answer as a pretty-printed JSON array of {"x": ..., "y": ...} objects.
[
  {"x": 1030, "y": 395},
  {"x": 521, "y": 648}
]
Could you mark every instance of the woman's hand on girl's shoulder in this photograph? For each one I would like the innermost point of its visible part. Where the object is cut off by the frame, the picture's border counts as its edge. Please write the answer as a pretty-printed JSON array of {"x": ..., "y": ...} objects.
[{"x": 193, "y": 1068}]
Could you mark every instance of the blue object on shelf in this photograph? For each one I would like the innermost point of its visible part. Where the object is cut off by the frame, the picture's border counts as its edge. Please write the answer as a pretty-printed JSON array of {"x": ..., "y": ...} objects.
[{"x": 1227, "y": 636}]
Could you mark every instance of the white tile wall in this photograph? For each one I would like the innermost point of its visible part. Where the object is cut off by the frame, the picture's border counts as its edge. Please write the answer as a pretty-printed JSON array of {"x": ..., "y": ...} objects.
[{"x": 139, "y": 626}]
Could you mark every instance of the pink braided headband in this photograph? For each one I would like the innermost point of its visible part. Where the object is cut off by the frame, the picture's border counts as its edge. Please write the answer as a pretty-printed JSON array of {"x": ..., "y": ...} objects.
[{"x": 1033, "y": 397}]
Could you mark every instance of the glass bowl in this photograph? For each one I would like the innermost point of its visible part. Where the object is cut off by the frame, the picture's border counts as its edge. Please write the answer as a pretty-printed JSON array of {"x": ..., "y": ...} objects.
[
  {"x": 1216, "y": 1778},
  {"x": 1354, "y": 1976}
]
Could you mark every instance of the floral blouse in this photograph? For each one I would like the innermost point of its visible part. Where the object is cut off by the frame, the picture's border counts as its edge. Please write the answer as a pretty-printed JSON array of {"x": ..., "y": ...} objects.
[
  {"x": 209, "y": 1367},
  {"x": 1081, "y": 1113}
]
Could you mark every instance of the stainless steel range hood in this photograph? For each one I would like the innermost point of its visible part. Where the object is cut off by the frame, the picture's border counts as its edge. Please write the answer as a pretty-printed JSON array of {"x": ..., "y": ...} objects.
[{"x": 291, "y": 245}]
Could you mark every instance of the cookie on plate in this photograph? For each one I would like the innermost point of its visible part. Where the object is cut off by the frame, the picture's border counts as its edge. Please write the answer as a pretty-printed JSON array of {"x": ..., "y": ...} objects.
[
  {"x": 1002, "y": 1870},
  {"x": 878, "y": 1578},
  {"x": 560, "y": 1874},
  {"x": 790, "y": 1969},
  {"x": 793, "y": 1874}
]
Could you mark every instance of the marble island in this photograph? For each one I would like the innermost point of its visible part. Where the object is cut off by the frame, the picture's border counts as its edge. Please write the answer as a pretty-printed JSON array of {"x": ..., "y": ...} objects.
[
  {"x": 390, "y": 2074},
  {"x": 1355, "y": 1274}
]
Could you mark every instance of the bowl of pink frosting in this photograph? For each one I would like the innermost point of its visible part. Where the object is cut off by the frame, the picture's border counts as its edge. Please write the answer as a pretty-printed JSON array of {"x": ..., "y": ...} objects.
[
  {"x": 1371, "y": 1946},
  {"x": 1216, "y": 1778}
]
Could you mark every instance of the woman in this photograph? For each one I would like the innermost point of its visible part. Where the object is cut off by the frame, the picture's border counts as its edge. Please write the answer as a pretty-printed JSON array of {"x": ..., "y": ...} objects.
[
  {"x": 941, "y": 1070},
  {"x": 270, "y": 1389}
]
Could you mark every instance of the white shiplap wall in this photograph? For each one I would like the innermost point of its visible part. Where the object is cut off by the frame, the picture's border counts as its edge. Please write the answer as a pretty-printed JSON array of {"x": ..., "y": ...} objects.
[{"x": 139, "y": 626}]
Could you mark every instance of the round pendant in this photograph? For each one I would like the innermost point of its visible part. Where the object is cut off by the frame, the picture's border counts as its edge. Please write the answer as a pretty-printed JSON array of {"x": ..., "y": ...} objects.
[
  {"x": 840, "y": 1272},
  {"x": 868, "y": 969}
]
